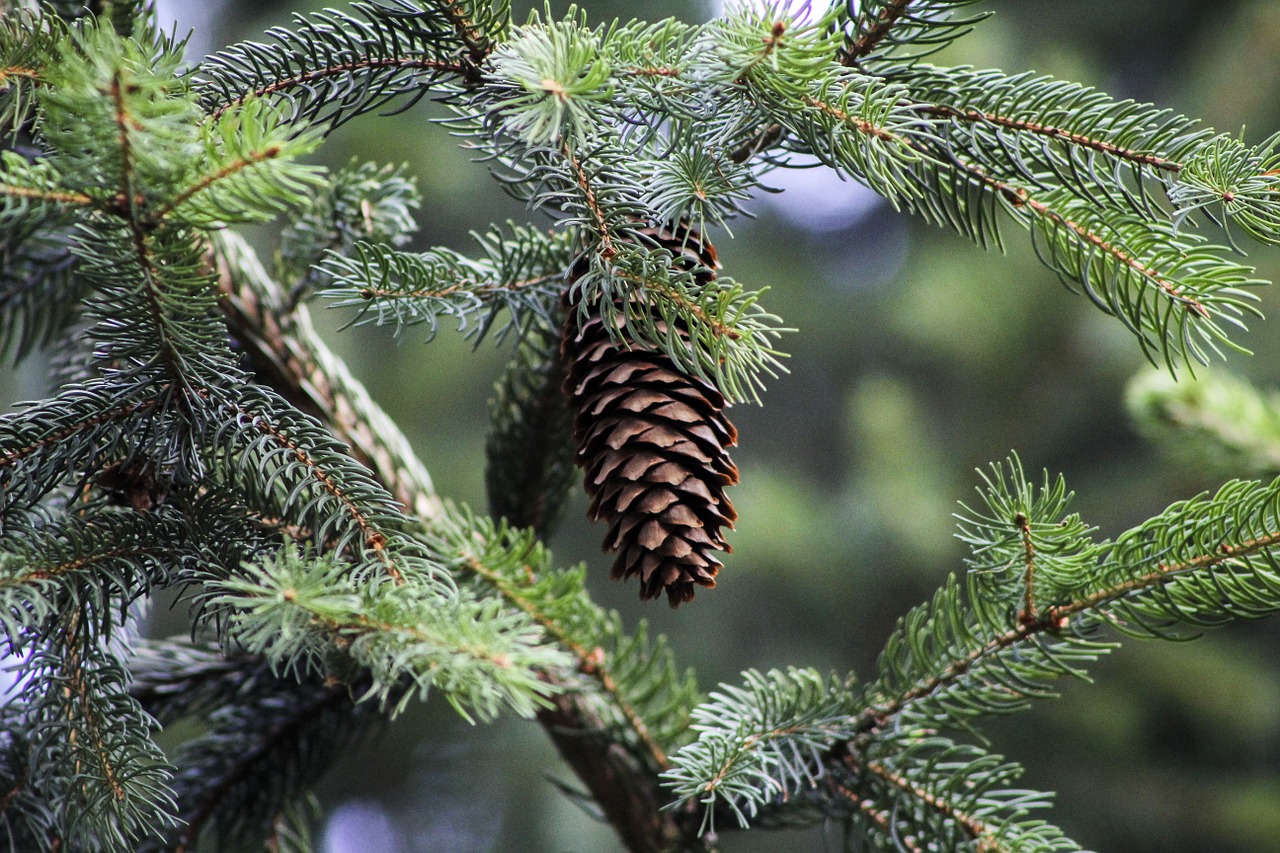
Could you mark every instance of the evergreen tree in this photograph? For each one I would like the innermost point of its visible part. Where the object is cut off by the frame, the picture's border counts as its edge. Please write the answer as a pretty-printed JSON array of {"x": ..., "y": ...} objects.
[{"x": 201, "y": 438}]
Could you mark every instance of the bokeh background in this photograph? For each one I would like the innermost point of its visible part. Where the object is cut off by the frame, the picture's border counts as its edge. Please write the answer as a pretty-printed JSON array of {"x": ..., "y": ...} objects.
[{"x": 919, "y": 358}]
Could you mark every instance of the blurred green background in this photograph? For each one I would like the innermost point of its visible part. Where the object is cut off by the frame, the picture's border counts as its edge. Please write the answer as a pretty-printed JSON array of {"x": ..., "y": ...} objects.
[{"x": 919, "y": 358}]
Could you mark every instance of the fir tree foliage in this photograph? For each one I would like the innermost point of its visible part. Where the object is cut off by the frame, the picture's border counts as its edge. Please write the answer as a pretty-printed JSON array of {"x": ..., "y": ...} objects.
[
  {"x": 517, "y": 277},
  {"x": 1035, "y": 607},
  {"x": 203, "y": 439}
]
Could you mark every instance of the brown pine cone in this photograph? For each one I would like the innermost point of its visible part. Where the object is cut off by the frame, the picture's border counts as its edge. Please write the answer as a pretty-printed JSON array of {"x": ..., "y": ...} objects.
[{"x": 652, "y": 442}]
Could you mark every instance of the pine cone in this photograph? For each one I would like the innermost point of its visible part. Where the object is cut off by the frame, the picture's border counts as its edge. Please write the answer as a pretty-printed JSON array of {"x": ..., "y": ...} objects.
[{"x": 651, "y": 440}]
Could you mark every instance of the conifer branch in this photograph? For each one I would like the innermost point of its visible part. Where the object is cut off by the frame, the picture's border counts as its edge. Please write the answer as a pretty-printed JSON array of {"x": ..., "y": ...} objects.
[
  {"x": 879, "y": 817},
  {"x": 162, "y": 463},
  {"x": 882, "y": 29},
  {"x": 305, "y": 80},
  {"x": 407, "y": 288},
  {"x": 98, "y": 418},
  {"x": 1214, "y": 422},
  {"x": 591, "y": 662},
  {"x": 973, "y": 828},
  {"x": 334, "y": 66},
  {"x": 478, "y": 46},
  {"x": 42, "y": 195},
  {"x": 286, "y": 347},
  {"x": 1050, "y": 131},
  {"x": 1107, "y": 255},
  {"x": 249, "y": 763},
  {"x": 870, "y": 33},
  {"x": 603, "y": 230},
  {"x": 373, "y": 537}
]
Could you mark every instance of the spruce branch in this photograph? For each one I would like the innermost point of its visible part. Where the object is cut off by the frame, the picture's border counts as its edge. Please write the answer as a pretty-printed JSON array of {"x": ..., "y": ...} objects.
[
  {"x": 1235, "y": 181},
  {"x": 89, "y": 746},
  {"x": 529, "y": 468},
  {"x": 645, "y": 695},
  {"x": 95, "y": 565},
  {"x": 983, "y": 647},
  {"x": 28, "y": 38},
  {"x": 181, "y": 677},
  {"x": 344, "y": 587},
  {"x": 248, "y": 170},
  {"x": 625, "y": 690},
  {"x": 520, "y": 274},
  {"x": 307, "y": 477},
  {"x": 39, "y": 292},
  {"x": 31, "y": 192},
  {"x": 763, "y": 741},
  {"x": 480, "y": 657},
  {"x": 901, "y": 31},
  {"x": 549, "y": 82},
  {"x": 956, "y": 795},
  {"x": 360, "y": 202},
  {"x": 1171, "y": 289},
  {"x": 1075, "y": 137},
  {"x": 555, "y": 600},
  {"x": 477, "y": 23},
  {"x": 50, "y": 442},
  {"x": 333, "y": 66},
  {"x": 731, "y": 338},
  {"x": 259, "y": 755},
  {"x": 290, "y": 355}
]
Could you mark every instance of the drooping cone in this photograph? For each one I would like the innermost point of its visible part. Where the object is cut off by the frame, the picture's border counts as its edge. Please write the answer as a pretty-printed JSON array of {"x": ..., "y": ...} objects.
[{"x": 652, "y": 442}]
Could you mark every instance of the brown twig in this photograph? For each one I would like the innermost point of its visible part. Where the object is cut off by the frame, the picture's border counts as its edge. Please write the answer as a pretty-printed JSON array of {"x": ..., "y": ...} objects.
[
  {"x": 1079, "y": 140},
  {"x": 868, "y": 38},
  {"x": 1023, "y": 524}
]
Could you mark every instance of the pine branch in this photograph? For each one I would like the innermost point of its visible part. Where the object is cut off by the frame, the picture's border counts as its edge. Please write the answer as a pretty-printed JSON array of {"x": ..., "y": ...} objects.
[
  {"x": 333, "y": 66},
  {"x": 1157, "y": 280},
  {"x": 290, "y": 356},
  {"x": 265, "y": 742},
  {"x": 888, "y": 31},
  {"x": 520, "y": 274}
]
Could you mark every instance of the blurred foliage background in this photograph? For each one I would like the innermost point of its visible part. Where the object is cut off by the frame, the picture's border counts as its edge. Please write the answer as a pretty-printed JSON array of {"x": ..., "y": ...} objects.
[{"x": 919, "y": 358}]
